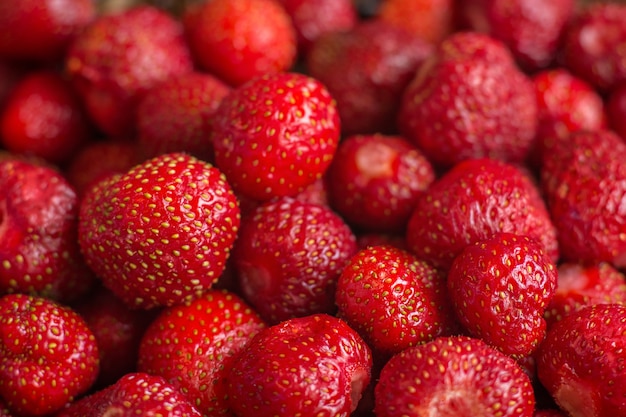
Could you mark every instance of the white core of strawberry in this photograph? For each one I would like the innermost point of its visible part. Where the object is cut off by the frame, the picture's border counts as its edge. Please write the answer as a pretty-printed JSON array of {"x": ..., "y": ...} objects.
[
  {"x": 113, "y": 411},
  {"x": 375, "y": 160},
  {"x": 357, "y": 386},
  {"x": 576, "y": 398}
]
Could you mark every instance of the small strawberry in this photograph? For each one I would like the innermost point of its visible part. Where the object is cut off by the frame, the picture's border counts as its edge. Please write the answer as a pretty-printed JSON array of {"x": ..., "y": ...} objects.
[
  {"x": 288, "y": 257},
  {"x": 616, "y": 110},
  {"x": 275, "y": 135},
  {"x": 311, "y": 366},
  {"x": 431, "y": 20},
  {"x": 192, "y": 346},
  {"x": 582, "y": 362},
  {"x": 469, "y": 100},
  {"x": 161, "y": 233},
  {"x": 48, "y": 355},
  {"x": 237, "y": 40},
  {"x": 374, "y": 181},
  {"x": 393, "y": 299},
  {"x": 453, "y": 376},
  {"x": 500, "y": 288},
  {"x": 135, "y": 394}
]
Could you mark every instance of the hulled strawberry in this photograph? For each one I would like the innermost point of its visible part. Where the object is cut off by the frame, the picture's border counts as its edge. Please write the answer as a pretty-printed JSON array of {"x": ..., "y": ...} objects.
[
  {"x": 275, "y": 135},
  {"x": 453, "y": 376},
  {"x": 288, "y": 257},
  {"x": 161, "y": 233},
  {"x": 582, "y": 361},
  {"x": 310, "y": 366},
  {"x": 48, "y": 355}
]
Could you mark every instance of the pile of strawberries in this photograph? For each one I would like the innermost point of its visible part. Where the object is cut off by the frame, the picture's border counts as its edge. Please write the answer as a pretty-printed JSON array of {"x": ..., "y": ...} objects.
[{"x": 313, "y": 208}]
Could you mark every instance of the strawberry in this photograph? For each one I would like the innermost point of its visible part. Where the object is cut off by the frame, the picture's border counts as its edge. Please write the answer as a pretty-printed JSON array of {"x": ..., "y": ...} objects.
[
  {"x": 469, "y": 100},
  {"x": 453, "y": 376},
  {"x": 237, "y": 40},
  {"x": 192, "y": 347},
  {"x": 160, "y": 234},
  {"x": 275, "y": 135},
  {"x": 309, "y": 366},
  {"x": 34, "y": 30},
  {"x": 38, "y": 234},
  {"x": 500, "y": 288},
  {"x": 132, "y": 395},
  {"x": 582, "y": 361},
  {"x": 374, "y": 181},
  {"x": 48, "y": 355},
  {"x": 473, "y": 201},
  {"x": 366, "y": 69},
  {"x": 583, "y": 285},
  {"x": 175, "y": 116},
  {"x": 616, "y": 110},
  {"x": 119, "y": 57},
  {"x": 431, "y": 20},
  {"x": 288, "y": 257},
  {"x": 393, "y": 299}
]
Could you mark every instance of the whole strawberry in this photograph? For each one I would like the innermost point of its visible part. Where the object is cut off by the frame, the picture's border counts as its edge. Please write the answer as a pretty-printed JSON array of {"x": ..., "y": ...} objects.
[
  {"x": 469, "y": 100},
  {"x": 161, "y": 233},
  {"x": 310, "y": 366},
  {"x": 48, "y": 355},
  {"x": 453, "y": 376},
  {"x": 582, "y": 361},
  {"x": 192, "y": 347},
  {"x": 275, "y": 135},
  {"x": 431, "y": 20}
]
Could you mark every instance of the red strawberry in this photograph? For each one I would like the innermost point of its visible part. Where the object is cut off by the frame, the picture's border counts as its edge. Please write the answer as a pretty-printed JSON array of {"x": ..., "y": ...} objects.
[
  {"x": 160, "y": 234},
  {"x": 453, "y": 376},
  {"x": 237, "y": 40},
  {"x": 582, "y": 362},
  {"x": 579, "y": 286},
  {"x": 310, "y": 366},
  {"x": 135, "y": 394},
  {"x": 35, "y": 30},
  {"x": 39, "y": 251},
  {"x": 500, "y": 288},
  {"x": 175, "y": 116},
  {"x": 119, "y": 57},
  {"x": 393, "y": 299},
  {"x": 192, "y": 346},
  {"x": 469, "y": 100},
  {"x": 431, "y": 20},
  {"x": 288, "y": 257},
  {"x": 616, "y": 110},
  {"x": 374, "y": 181},
  {"x": 48, "y": 355},
  {"x": 471, "y": 202},
  {"x": 275, "y": 135},
  {"x": 366, "y": 69}
]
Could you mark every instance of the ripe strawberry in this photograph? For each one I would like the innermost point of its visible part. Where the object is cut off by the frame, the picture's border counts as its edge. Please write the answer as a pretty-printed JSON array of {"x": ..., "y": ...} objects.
[
  {"x": 135, "y": 394},
  {"x": 310, "y": 366},
  {"x": 48, "y": 355},
  {"x": 431, "y": 20},
  {"x": 473, "y": 201},
  {"x": 469, "y": 100},
  {"x": 616, "y": 110},
  {"x": 374, "y": 181},
  {"x": 366, "y": 69},
  {"x": 35, "y": 30},
  {"x": 237, "y": 40},
  {"x": 39, "y": 252},
  {"x": 160, "y": 234},
  {"x": 192, "y": 347},
  {"x": 119, "y": 57},
  {"x": 453, "y": 376},
  {"x": 582, "y": 362},
  {"x": 393, "y": 299},
  {"x": 288, "y": 257},
  {"x": 275, "y": 135},
  {"x": 175, "y": 116},
  {"x": 500, "y": 288},
  {"x": 579, "y": 286}
]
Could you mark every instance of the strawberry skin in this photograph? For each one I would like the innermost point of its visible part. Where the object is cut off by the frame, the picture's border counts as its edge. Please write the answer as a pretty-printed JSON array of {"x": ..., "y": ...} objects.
[
  {"x": 48, "y": 355},
  {"x": 191, "y": 346},
  {"x": 453, "y": 376},
  {"x": 275, "y": 135},
  {"x": 582, "y": 362},
  {"x": 160, "y": 234},
  {"x": 310, "y": 366}
]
